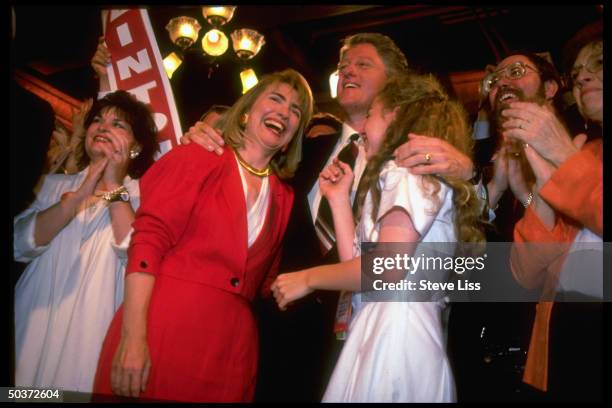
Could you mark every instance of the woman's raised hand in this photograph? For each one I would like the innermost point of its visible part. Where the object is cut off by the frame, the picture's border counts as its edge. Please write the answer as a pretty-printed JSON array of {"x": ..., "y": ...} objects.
[{"x": 335, "y": 181}]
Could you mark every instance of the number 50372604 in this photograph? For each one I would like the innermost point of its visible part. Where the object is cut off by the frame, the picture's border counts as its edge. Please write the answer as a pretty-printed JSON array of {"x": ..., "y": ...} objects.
[{"x": 13, "y": 394}]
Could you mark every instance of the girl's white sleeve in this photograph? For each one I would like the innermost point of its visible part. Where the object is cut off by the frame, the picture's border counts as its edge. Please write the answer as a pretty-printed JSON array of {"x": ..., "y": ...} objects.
[{"x": 400, "y": 188}]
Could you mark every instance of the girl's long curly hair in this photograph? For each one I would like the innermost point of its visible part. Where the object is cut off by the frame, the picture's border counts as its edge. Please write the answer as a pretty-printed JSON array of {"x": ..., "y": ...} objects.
[{"x": 423, "y": 107}]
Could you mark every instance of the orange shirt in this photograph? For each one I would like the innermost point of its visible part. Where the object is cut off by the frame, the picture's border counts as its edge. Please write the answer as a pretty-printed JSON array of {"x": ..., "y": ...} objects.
[{"x": 575, "y": 192}]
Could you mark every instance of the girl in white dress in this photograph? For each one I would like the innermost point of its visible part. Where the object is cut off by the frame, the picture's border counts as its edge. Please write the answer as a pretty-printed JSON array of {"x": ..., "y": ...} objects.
[
  {"x": 75, "y": 236},
  {"x": 394, "y": 351}
]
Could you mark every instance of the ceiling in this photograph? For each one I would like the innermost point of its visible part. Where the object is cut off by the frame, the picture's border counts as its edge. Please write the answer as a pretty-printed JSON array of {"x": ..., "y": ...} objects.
[{"x": 55, "y": 43}]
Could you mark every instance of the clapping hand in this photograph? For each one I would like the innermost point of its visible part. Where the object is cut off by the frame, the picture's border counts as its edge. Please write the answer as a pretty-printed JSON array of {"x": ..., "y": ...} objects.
[
  {"x": 539, "y": 127},
  {"x": 118, "y": 159}
]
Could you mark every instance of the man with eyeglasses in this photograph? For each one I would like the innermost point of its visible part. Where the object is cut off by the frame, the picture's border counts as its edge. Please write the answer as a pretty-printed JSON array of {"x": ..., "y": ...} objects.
[
  {"x": 488, "y": 342},
  {"x": 564, "y": 360},
  {"x": 520, "y": 77}
]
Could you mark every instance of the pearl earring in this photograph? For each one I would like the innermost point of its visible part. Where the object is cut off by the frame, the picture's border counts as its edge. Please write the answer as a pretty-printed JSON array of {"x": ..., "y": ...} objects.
[{"x": 134, "y": 153}]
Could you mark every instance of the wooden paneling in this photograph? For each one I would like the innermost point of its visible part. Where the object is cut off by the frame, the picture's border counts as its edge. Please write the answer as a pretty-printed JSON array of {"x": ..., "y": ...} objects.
[
  {"x": 465, "y": 84},
  {"x": 62, "y": 103}
]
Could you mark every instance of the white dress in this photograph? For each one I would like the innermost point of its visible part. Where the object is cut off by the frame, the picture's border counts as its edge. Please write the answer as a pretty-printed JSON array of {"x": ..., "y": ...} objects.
[
  {"x": 69, "y": 292},
  {"x": 395, "y": 351}
]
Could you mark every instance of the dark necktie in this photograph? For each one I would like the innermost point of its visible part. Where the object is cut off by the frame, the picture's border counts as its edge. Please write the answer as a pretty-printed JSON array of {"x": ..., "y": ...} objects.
[{"x": 324, "y": 223}]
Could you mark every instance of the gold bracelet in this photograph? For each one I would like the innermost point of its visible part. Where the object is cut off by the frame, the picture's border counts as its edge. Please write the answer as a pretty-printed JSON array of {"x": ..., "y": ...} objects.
[{"x": 118, "y": 194}]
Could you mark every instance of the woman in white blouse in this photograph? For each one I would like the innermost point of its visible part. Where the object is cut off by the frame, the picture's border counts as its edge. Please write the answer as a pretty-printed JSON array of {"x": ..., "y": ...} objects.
[{"x": 75, "y": 237}]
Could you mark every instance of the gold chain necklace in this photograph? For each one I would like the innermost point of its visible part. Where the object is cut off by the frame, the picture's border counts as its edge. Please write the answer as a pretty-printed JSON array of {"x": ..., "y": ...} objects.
[{"x": 259, "y": 173}]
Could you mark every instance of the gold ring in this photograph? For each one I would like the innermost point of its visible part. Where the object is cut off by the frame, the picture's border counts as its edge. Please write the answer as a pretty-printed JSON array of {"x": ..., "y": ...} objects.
[{"x": 428, "y": 157}]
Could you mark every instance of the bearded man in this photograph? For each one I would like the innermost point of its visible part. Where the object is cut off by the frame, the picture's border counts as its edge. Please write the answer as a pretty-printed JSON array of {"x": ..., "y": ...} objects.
[{"x": 488, "y": 342}]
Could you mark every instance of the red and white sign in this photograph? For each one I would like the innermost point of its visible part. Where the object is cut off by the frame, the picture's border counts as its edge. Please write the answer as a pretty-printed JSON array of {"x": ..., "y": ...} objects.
[{"x": 137, "y": 67}]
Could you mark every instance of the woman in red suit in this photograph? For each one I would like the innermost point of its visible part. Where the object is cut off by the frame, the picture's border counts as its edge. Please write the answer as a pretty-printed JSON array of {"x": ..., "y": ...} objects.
[{"x": 206, "y": 241}]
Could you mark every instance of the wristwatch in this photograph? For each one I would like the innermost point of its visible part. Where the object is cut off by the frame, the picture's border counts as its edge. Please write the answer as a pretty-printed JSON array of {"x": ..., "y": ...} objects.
[{"x": 118, "y": 194}]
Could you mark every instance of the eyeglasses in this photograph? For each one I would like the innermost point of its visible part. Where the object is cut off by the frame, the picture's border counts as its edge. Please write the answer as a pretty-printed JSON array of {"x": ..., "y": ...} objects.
[
  {"x": 594, "y": 64},
  {"x": 514, "y": 71}
]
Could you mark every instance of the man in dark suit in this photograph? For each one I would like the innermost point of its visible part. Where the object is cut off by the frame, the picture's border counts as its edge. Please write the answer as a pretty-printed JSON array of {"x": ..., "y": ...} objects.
[{"x": 299, "y": 348}]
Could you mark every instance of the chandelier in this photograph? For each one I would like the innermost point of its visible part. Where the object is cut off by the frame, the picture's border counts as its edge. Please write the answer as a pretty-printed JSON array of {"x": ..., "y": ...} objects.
[{"x": 184, "y": 32}]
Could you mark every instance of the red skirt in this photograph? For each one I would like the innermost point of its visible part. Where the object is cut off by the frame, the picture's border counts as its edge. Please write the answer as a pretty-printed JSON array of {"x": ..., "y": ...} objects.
[{"x": 203, "y": 344}]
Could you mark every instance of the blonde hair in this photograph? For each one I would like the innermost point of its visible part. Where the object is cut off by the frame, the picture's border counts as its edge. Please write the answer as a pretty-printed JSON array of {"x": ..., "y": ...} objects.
[
  {"x": 284, "y": 163},
  {"x": 423, "y": 107}
]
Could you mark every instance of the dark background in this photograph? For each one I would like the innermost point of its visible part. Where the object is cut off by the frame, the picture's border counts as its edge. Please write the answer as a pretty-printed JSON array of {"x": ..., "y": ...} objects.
[{"x": 56, "y": 43}]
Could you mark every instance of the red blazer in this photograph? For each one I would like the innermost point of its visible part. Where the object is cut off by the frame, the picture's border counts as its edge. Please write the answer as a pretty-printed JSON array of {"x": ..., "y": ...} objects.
[{"x": 192, "y": 223}]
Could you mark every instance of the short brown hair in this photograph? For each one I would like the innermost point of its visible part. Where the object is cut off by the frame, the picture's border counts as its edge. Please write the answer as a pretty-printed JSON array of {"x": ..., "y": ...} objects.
[
  {"x": 218, "y": 109},
  {"x": 390, "y": 54}
]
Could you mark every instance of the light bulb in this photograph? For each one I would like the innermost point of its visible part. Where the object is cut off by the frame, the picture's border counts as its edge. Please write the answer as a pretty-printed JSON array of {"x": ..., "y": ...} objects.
[
  {"x": 248, "y": 79},
  {"x": 333, "y": 84},
  {"x": 186, "y": 30},
  {"x": 171, "y": 63},
  {"x": 245, "y": 44}
]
